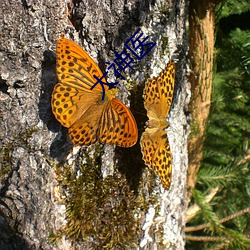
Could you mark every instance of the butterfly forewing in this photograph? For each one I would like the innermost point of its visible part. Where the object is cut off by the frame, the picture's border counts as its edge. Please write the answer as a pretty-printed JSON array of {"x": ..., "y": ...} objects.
[
  {"x": 75, "y": 67},
  {"x": 63, "y": 105},
  {"x": 158, "y": 92},
  {"x": 166, "y": 87}
]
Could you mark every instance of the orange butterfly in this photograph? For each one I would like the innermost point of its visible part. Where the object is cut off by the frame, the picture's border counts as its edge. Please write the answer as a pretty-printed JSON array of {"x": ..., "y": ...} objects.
[
  {"x": 82, "y": 110},
  {"x": 158, "y": 93}
]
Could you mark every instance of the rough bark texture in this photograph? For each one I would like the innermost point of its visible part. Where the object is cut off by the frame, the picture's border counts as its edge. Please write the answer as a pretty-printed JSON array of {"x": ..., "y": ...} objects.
[
  {"x": 32, "y": 142},
  {"x": 201, "y": 40}
]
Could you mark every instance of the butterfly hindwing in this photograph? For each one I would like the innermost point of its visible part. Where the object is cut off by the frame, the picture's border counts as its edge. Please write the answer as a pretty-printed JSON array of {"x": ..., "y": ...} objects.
[
  {"x": 156, "y": 154},
  {"x": 118, "y": 125}
]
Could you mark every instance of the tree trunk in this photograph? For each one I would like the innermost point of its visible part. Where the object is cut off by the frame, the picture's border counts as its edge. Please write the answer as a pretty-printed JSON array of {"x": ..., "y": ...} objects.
[
  {"x": 54, "y": 196},
  {"x": 201, "y": 40}
]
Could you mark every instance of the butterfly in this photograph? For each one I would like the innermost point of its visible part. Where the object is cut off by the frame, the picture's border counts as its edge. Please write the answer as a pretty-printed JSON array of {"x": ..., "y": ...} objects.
[
  {"x": 157, "y": 94},
  {"x": 80, "y": 109}
]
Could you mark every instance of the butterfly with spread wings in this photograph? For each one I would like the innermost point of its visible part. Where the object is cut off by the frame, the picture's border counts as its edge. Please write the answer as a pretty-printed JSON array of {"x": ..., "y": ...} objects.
[
  {"x": 158, "y": 94},
  {"x": 80, "y": 109}
]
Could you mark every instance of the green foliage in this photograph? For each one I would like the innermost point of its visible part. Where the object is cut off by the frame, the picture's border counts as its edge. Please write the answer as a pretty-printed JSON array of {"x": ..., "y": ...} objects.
[
  {"x": 218, "y": 176},
  {"x": 207, "y": 211},
  {"x": 226, "y": 153},
  {"x": 230, "y": 7}
]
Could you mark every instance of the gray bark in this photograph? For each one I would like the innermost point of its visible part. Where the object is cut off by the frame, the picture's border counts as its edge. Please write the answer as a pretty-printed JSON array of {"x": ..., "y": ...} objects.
[{"x": 32, "y": 142}]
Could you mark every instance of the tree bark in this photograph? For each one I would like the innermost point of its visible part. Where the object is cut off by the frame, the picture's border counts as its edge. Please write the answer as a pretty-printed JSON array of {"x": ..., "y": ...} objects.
[
  {"x": 48, "y": 188},
  {"x": 201, "y": 40}
]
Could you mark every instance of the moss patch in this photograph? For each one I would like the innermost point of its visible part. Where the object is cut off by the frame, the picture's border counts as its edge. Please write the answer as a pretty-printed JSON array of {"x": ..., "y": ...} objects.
[{"x": 103, "y": 212}]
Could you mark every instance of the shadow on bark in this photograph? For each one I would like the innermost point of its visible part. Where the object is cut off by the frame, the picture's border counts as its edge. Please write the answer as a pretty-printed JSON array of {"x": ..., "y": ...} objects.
[
  {"x": 131, "y": 163},
  {"x": 9, "y": 239},
  {"x": 61, "y": 145}
]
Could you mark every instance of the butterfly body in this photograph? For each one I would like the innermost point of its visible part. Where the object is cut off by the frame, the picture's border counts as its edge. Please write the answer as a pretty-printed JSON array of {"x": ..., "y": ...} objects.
[
  {"x": 157, "y": 123},
  {"x": 80, "y": 109},
  {"x": 158, "y": 93}
]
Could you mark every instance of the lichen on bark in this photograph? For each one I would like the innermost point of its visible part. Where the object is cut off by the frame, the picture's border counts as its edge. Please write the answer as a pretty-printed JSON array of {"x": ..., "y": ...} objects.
[{"x": 33, "y": 144}]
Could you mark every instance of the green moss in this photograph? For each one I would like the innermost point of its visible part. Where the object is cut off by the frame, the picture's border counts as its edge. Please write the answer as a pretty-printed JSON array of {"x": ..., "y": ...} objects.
[
  {"x": 19, "y": 140},
  {"x": 5, "y": 161},
  {"x": 131, "y": 84},
  {"x": 195, "y": 129},
  {"x": 164, "y": 45},
  {"x": 28, "y": 133},
  {"x": 105, "y": 212},
  {"x": 164, "y": 10}
]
